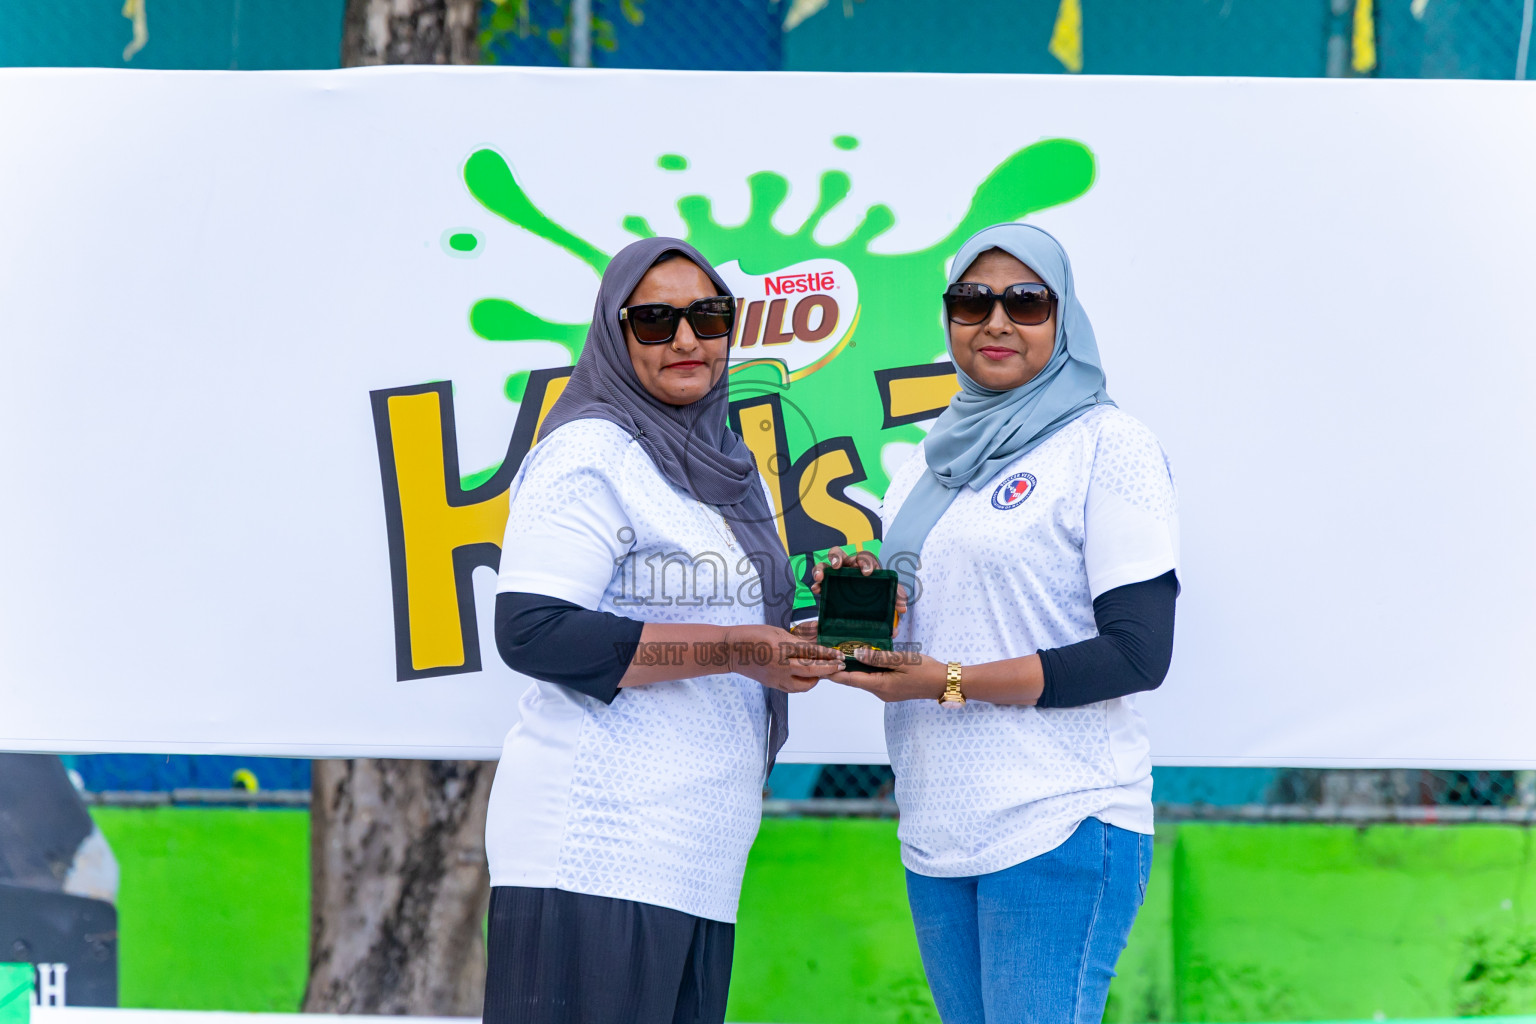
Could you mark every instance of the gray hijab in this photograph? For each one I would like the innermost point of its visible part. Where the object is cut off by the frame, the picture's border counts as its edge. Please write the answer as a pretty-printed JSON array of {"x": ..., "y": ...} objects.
[
  {"x": 984, "y": 431},
  {"x": 692, "y": 446}
]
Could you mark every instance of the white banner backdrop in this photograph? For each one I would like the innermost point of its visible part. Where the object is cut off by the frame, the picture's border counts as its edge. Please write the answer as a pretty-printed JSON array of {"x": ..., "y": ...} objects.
[{"x": 273, "y": 344}]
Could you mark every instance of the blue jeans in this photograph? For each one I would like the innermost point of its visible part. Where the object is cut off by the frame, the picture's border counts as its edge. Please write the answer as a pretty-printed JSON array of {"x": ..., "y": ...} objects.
[{"x": 1035, "y": 943}]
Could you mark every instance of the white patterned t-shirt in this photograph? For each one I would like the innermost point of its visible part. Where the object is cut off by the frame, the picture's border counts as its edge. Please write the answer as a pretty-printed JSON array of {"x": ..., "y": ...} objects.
[
  {"x": 657, "y": 797},
  {"x": 1009, "y": 570}
]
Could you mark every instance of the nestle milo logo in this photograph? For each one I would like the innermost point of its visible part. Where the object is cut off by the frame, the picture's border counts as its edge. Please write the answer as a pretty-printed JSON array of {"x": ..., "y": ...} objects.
[
  {"x": 797, "y": 319},
  {"x": 788, "y": 284}
]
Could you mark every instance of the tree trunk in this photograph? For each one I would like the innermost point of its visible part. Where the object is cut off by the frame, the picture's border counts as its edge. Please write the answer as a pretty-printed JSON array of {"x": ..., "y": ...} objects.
[
  {"x": 398, "y": 881},
  {"x": 398, "y": 887},
  {"x": 410, "y": 32}
]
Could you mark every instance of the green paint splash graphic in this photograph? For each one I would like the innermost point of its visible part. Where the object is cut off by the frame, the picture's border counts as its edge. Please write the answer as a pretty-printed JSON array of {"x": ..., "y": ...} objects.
[
  {"x": 898, "y": 292},
  {"x": 462, "y": 243},
  {"x": 490, "y": 181}
]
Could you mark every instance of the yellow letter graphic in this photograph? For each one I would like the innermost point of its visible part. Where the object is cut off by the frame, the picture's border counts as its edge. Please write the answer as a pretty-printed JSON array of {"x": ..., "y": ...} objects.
[
  {"x": 913, "y": 393},
  {"x": 812, "y": 510},
  {"x": 439, "y": 533}
]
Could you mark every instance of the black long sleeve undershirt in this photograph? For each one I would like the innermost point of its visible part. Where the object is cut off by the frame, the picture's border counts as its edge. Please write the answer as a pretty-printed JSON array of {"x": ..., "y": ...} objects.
[
  {"x": 1131, "y": 653},
  {"x": 561, "y": 642}
]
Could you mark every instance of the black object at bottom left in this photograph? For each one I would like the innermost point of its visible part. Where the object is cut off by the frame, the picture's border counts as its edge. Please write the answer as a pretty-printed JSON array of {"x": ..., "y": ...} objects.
[
  {"x": 71, "y": 941},
  {"x": 58, "y": 879}
]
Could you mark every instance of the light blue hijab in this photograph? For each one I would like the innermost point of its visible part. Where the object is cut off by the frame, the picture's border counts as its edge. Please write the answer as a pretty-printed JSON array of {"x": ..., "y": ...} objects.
[{"x": 983, "y": 431}]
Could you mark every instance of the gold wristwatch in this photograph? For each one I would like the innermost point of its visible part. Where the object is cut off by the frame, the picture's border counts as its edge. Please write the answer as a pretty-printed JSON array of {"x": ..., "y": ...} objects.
[{"x": 952, "y": 697}]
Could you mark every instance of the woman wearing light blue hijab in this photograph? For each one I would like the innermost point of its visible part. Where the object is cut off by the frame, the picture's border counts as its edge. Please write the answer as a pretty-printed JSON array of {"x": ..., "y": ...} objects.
[{"x": 1036, "y": 533}]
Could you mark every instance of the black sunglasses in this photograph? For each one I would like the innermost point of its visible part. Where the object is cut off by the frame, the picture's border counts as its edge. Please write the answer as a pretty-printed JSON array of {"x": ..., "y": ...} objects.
[
  {"x": 655, "y": 323},
  {"x": 1027, "y": 303}
]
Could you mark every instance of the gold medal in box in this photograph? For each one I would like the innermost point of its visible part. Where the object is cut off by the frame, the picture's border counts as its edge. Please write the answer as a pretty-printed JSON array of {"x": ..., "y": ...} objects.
[{"x": 857, "y": 611}]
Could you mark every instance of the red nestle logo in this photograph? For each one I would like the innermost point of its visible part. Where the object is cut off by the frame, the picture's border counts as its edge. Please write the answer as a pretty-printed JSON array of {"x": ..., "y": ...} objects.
[{"x": 791, "y": 284}]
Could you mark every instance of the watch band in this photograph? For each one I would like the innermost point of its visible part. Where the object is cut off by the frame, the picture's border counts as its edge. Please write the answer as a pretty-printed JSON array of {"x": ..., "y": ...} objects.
[{"x": 952, "y": 697}]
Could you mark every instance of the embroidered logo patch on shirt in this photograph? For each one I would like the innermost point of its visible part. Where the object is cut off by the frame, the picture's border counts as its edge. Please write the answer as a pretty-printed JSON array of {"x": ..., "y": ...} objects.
[{"x": 1011, "y": 493}]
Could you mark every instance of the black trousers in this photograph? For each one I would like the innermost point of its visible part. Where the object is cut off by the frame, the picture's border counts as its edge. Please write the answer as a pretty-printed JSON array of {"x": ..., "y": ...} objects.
[{"x": 560, "y": 956}]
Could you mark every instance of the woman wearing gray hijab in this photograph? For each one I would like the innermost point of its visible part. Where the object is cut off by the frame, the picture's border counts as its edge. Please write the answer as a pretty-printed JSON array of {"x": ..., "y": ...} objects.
[
  {"x": 645, "y": 589},
  {"x": 1036, "y": 530}
]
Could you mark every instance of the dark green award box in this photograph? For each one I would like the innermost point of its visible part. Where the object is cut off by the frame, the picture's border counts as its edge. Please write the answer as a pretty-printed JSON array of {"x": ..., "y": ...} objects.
[{"x": 857, "y": 611}]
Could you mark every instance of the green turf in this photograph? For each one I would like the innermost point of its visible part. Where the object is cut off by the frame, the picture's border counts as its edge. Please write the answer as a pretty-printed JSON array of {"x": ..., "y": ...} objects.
[
  {"x": 823, "y": 933},
  {"x": 1242, "y": 923},
  {"x": 1322, "y": 922},
  {"x": 213, "y": 907},
  {"x": 1144, "y": 988}
]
